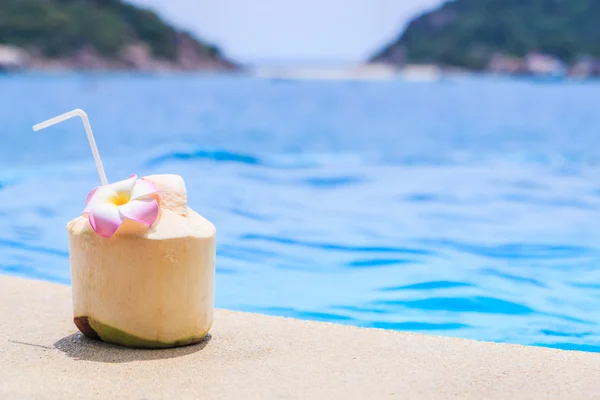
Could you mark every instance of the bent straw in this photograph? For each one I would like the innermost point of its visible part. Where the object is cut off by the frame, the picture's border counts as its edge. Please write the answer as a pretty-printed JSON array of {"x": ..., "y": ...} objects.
[{"x": 88, "y": 130}]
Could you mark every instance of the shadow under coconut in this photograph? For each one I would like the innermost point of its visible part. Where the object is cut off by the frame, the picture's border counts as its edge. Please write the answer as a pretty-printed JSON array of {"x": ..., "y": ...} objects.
[{"x": 81, "y": 347}]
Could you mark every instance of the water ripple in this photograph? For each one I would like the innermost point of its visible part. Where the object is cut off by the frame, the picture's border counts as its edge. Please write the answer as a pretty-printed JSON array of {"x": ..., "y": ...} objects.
[
  {"x": 549, "y": 332},
  {"x": 250, "y": 215},
  {"x": 28, "y": 271},
  {"x": 428, "y": 198},
  {"x": 337, "y": 247},
  {"x": 550, "y": 202},
  {"x": 428, "y": 286},
  {"x": 216, "y": 155},
  {"x": 478, "y": 304},
  {"x": 571, "y": 346},
  {"x": 514, "y": 278},
  {"x": 379, "y": 262},
  {"x": 38, "y": 249},
  {"x": 513, "y": 250},
  {"x": 333, "y": 181}
]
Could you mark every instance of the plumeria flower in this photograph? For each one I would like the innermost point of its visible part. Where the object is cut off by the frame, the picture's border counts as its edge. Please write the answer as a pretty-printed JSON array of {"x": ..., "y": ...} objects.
[{"x": 108, "y": 206}]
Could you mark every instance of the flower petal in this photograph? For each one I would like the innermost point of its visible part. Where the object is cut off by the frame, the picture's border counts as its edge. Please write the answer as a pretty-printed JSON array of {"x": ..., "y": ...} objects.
[
  {"x": 142, "y": 188},
  {"x": 144, "y": 211},
  {"x": 100, "y": 195},
  {"x": 124, "y": 186},
  {"x": 91, "y": 194},
  {"x": 105, "y": 219}
]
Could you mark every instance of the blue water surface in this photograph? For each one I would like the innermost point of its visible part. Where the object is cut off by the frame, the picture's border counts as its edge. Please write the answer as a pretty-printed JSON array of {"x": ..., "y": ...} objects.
[{"x": 468, "y": 208}]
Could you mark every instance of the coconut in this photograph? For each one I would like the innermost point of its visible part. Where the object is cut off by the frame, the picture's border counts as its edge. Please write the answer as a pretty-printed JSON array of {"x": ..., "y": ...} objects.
[{"x": 146, "y": 287}]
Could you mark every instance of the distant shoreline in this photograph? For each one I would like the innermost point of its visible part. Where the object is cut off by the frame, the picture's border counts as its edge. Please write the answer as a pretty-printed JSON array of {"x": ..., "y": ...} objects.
[{"x": 300, "y": 75}]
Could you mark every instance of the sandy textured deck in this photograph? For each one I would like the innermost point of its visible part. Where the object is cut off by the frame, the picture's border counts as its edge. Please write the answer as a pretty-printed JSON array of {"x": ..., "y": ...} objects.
[{"x": 252, "y": 356}]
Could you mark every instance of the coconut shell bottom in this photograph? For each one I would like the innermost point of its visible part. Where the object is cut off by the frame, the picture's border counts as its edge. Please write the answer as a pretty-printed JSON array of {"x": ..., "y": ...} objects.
[{"x": 100, "y": 331}]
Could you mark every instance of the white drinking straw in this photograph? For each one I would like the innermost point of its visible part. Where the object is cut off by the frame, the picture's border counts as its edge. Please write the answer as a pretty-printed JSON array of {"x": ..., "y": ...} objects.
[{"x": 88, "y": 131}]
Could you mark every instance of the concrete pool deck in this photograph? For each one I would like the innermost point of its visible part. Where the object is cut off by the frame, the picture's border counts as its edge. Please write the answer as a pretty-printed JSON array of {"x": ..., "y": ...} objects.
[{"x": 251, "y": 356}]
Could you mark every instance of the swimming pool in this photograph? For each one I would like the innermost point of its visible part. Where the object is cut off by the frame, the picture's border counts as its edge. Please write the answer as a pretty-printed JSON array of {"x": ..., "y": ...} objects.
[{"x": 466, "y": 208}]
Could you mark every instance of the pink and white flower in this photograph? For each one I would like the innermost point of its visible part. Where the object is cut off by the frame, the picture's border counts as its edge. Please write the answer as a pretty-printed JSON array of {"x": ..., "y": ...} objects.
[{"x": 108, "y": 206}]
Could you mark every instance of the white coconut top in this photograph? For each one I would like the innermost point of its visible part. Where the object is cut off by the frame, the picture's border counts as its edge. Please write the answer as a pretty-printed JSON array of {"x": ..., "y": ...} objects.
[{"x": 175, "y": 219}]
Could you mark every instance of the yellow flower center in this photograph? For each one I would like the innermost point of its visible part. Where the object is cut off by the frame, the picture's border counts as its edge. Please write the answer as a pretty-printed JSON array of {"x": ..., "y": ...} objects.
[{"x": 120, "y": 199}]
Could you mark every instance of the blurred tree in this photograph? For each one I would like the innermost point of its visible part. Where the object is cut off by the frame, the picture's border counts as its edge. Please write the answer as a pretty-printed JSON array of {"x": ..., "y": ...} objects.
[
  {"x": 92, "y": 25},
  {"x": 62, "y": 27},
  {"x": 466, "y": 33},
  {"x": 147, "y": 26}
]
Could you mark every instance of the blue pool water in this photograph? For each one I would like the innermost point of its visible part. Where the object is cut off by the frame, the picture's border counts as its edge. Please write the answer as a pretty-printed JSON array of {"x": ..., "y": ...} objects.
[{"x": 468, "y": 208}]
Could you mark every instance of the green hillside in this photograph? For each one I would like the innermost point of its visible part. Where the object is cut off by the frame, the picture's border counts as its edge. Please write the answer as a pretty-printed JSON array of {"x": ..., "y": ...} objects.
[
  {"x": 466, "y": 33},
  {"x": 58, "y": 28}
]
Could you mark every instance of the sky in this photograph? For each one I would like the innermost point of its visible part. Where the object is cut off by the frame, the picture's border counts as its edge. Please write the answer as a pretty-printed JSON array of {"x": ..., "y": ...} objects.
[{"x": 264, "y": 31}]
